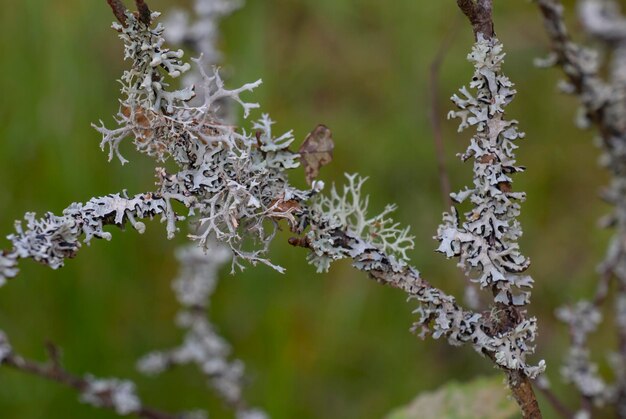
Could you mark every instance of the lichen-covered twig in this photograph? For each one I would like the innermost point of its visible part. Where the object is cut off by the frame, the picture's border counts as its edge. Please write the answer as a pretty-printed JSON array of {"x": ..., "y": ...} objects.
[
  {"x": 233, "y": 182},
  {"x": 198, "y": 276},
  {"x": 113, "y": 394},
  {"x": 479, "y": 13},
  {"x": 52, "y": 239}
]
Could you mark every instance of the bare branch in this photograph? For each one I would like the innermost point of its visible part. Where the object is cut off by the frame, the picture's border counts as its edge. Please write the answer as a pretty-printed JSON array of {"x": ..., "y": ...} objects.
[
  {"x": 119, "y": 10},
  {"x": 53, "y": 371},
  {"x": 479, "y": 13},
  {"x": 143, "y": 12}
]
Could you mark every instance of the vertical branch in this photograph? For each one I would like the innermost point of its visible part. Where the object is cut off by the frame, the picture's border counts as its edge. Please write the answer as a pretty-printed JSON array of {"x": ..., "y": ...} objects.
[
  {"x": 435, "y": 119},
  {"x": 143, "y": 12},
  {"x": 479, "y": 13},
  {"x": 477, "y": 244},
  {"x": 119, "y": 10}
]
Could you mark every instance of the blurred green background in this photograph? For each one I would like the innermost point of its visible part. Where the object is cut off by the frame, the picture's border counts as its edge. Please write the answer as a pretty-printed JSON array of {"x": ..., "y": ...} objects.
[{"x": 315, "y": 346}]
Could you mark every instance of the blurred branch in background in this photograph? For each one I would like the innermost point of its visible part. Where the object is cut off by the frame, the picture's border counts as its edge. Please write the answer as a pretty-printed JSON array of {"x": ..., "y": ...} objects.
[
  {"x": 202, "y": 346},
  {"x": 603, "y": 105},
  {"x": 436, "y": 115},
  {"x": 111, "y": 393},
  {"x": 471, "y": 296}
]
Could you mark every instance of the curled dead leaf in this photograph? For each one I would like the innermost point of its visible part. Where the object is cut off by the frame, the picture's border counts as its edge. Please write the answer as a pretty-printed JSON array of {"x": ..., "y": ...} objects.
[{"x": 316, "y": 151}]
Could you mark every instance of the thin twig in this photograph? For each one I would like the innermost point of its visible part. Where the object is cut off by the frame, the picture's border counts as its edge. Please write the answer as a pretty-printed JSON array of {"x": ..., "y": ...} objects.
[
  {"x": 144, "y": 12},
  {"x": 435, "y": 119},
  {"x": 119, "y": 10},
  {"x": 560, "y": 408},
  {"x": 53, "y": 371},
  {"x": 479, "y": 13}
]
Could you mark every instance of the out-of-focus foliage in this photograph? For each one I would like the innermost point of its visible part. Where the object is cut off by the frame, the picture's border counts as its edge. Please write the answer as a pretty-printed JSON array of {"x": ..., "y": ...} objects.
[
  {"x": 317, "y": 346},
  {"x": 481, "y": 398}
]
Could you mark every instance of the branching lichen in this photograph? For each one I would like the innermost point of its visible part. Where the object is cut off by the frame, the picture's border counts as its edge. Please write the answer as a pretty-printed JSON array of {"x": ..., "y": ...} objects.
[
  {"x": 486, "y": 240},
  {"x": 234, "y": 184},
  {"x": 347, "y": 211},
  {"x": 603, "y": 105}
]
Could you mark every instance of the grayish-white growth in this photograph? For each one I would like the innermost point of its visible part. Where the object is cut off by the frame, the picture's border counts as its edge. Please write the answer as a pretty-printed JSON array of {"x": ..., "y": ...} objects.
[
  {"x": 51, "y": 239},
  {"x": 234, "y": 185},
  {"x": 115, "y": 394},
  {"x": 486, "y": 240},
  {"x": 234, "y": 182},
  {"x": 348, "y": 210},
  {"x": 5, "y": 346},
  {"x": 120, "y": 393},
  {"x": 202, "y": 346},
  {"x": 583, "y": 319},
  {"x": 199, "y": 33}
]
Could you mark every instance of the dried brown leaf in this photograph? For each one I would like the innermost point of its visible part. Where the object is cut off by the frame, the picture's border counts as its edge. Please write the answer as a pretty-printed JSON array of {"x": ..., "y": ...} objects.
[{"x": 316, "y": 151}]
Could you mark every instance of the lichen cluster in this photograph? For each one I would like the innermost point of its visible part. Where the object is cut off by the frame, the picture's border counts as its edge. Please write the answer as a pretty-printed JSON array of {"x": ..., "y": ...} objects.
[
  {"x": 233, "y": 181},
  {"x": 233, "y": 184},
  {"x": 485, "y": 241}
]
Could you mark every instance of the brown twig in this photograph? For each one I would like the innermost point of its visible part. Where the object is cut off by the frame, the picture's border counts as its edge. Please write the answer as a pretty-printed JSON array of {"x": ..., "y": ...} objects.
[
  {"x": 119, "y": 10},
  {"x": 435, "y": 119},
  {"x": 53, "y": 371},
  {"x": 144, "y": 12},
  {"x": 560, "y": 408},
  {"x": 479, "y": 13}
]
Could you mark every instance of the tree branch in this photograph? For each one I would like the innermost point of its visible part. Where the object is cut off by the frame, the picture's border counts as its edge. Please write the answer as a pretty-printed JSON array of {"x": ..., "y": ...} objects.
[
  {"x": 143, "y": 12},
  {"x": 53, "y": 371},
  {"x": 479, "y": 13},
  {"x": 602, "y": 19},
  {"x": 119, "y": 10},
  {"x": 435, "y": 117},
  {"x": 603, "y": 104}
]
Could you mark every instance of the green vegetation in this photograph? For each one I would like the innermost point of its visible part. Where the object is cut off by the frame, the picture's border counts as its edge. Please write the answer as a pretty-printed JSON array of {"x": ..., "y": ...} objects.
[{"x": 316, "y": 346}]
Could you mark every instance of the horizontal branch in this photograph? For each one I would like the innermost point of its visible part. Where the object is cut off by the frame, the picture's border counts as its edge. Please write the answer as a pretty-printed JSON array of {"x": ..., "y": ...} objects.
[
  {"x": 52, "y": 239},
  {"x": 114, "y": 395}
]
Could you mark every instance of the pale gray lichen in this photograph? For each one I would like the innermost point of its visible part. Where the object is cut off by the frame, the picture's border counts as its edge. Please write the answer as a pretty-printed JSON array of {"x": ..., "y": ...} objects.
[
  {"x": 235, "y": 183},
  {"x": 486, "y": 240},
  {"x": 120, "y": 393},
  {"x": 583, "y": 318},
  {"x": 5, "y": 347},
  {"x": 341, "y": 229},
  {"x": 438, "y": 313},
  {"x": 51, "y": 239},
  {"x": 602, "y": 97},
  {"x": 200, "y": 33},
  {"x": 347, "y": 210},
  {"x": 236, "y": 179}
]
